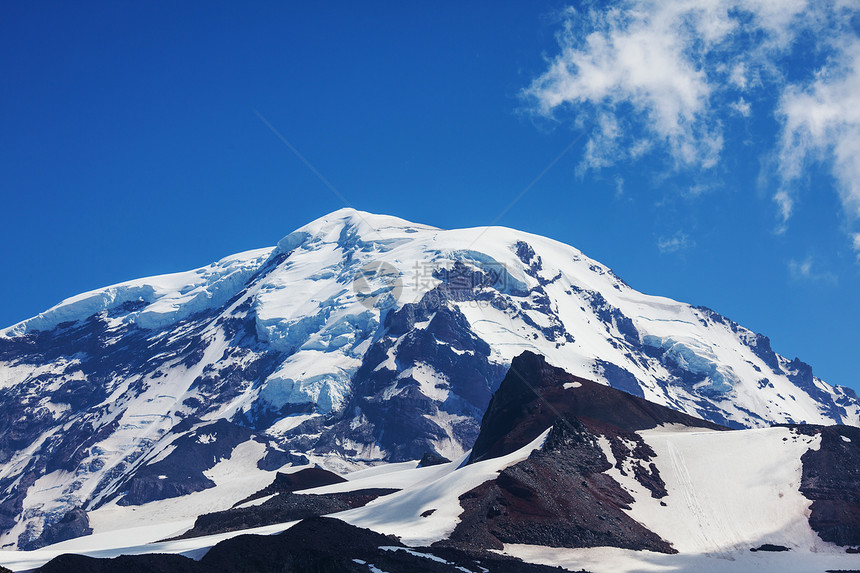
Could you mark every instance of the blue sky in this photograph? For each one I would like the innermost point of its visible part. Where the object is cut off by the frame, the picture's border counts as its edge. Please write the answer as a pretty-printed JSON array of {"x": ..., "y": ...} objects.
[{"x": 715, "y": 152}]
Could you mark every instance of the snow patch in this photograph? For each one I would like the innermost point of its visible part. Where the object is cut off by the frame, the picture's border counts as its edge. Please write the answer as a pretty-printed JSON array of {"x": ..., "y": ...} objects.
[
  {"x": 728, "y": 491},
  {"x": 400, "y": 513}
]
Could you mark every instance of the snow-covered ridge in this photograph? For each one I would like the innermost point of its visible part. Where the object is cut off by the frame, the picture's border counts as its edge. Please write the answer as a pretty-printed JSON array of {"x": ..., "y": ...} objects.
[{"x": 165, "y": 299}]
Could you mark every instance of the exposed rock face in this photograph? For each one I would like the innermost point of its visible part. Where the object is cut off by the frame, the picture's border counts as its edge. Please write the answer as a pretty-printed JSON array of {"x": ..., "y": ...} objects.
[
  {"x": 275, "y": 459},
  {"x": 124, "y": 564},
  {"x": 74, "y": 524},
  {"x": 534, "y": 394},
  {"x": 770, "y": 547},
  {"x": 831, "y": 479},
  {"x": 297, "y": 481},
  {"x": 395, "y": 411},
  {"x": 181, "y": 471},
  {"x": 559, "y": 497},
  {"x": 431, "y": 459},
  {"x": 282, "y": 508}
]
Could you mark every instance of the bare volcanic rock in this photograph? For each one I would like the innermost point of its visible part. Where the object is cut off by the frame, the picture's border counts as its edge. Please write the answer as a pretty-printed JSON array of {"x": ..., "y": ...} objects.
[
  {"x": 534, "y": 394},
  {"x": 558, "y": 497},
  {"x": 74, "y": 524},
  {"x": 282, "y": 508},
  {"x": 432, "y": 459},
  {"x": 831, "y": 479},
  {"x": 561, "y": 496},
  {"x": 302, "y": 479},
  {"x": 182, "y": 471}
]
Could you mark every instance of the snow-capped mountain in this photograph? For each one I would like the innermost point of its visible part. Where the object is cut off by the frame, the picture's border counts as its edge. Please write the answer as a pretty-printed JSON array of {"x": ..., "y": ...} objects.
[{"x": 358, "y": 338}]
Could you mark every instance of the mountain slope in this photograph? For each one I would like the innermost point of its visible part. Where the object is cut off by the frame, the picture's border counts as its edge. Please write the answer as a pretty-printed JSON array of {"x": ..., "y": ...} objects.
[{"x": 312, "y": 351}]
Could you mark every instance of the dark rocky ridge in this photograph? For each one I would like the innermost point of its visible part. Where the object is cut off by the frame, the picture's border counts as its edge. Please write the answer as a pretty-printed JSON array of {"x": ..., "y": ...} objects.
[
  {"x": 831, "y": 479},
  {"x": 561, "y": 496},
  {"x": 282, "y": 508},
  {"x": 296, "y": 481},
  {"x": 181, "y": 471},
  {"x": 558, "y": 497},
  {"x": 398, "y": 422},
  {"x": 431, "y": 459},
  {"x": 317, "y": 545},
  {"x": 75, "y": 523},
  {"x": 532, "y": 396}
]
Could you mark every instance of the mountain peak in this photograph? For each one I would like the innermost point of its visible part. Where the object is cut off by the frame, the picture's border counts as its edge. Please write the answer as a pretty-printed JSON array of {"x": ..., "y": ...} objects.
[{"x": 335, "y": 226}]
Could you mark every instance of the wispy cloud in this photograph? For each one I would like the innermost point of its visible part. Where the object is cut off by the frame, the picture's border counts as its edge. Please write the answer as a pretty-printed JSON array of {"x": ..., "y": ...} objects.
[
  {"x": 676, "y": 243},
  {"x": 807, "y": 270},
  {"x": 619, "y": 188},
  {"x": 821, "y": 121},
  {"x": 665, "y": 76},
  {"x": 669, "y": 62},
  {"x": 741, "y": 107}
]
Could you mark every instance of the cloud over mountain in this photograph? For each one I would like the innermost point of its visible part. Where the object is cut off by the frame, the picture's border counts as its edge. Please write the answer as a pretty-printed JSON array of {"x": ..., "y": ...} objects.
[{"x": 673, "y": 79}]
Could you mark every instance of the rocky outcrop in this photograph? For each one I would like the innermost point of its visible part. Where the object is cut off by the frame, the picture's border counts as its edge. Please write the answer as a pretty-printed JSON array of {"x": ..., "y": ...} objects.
[
  {"x": 561, "y": 496},
  {"x": 282, "y": 508},
  {"x": 431, "y": 459},
  {"x": 534, "y": 394},
  {"x": 558, "y": 497},
  {"x": 296, "y": 481},
  {"x": 393, "y": 410},
  {"x": 181, "y": 471},
  {"x": 831, "y": 479},
  {"x": 74, "y": 524}
]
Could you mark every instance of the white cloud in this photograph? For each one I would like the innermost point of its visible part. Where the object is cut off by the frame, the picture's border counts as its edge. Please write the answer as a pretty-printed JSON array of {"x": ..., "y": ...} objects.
[
  {"x": 856, "y": 241},
  {"x": 601, "y": 149},
  {"x": 807, "y": 270},
  {"x": 785, "y": 203},
  {"x": 677, "y": 242},
  {"x": 657, "y": 58},
  {"x": 619, "y": 191},
  {"x": 697, "y": 190},
  {"x": 738, "y": 75},
  {"x": 662, "y": 75},
  {"x": 821, "y": 121},
  {"x": 742, "y": 107}
]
